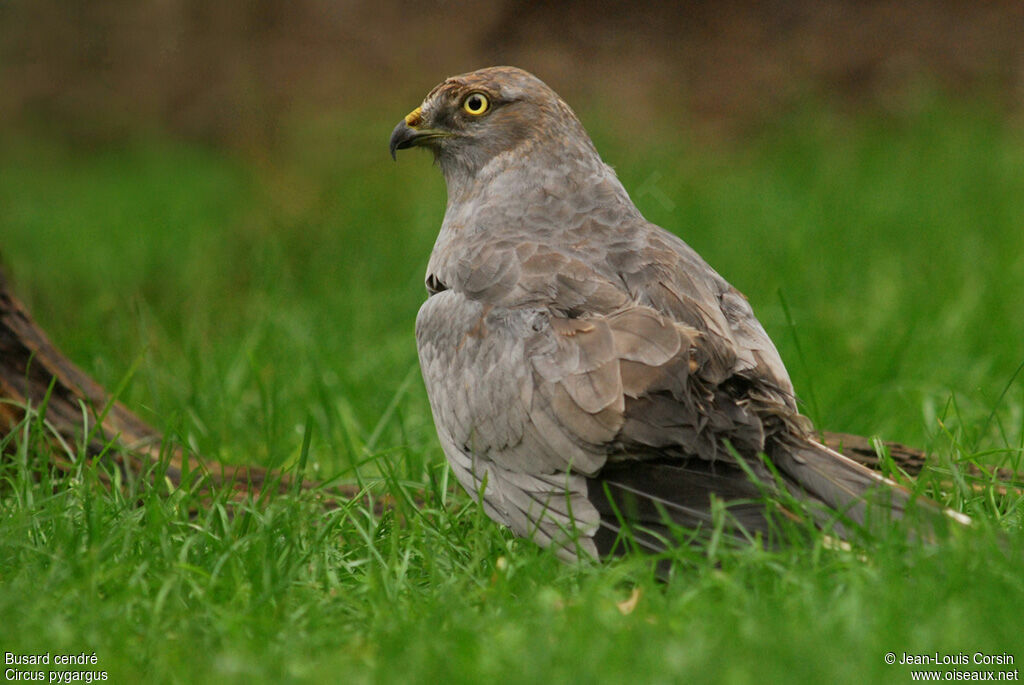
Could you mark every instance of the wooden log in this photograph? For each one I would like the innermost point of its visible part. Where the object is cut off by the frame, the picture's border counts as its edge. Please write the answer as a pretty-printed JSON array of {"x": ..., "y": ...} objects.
[{"x": 33, "y": 372}]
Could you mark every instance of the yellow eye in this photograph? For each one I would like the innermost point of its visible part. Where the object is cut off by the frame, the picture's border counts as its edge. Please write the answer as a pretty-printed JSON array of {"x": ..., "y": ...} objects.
[{"x": 476, "y": 104}]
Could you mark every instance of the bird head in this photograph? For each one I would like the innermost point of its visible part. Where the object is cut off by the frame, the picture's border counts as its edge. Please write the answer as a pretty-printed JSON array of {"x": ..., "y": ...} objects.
[{"x": 470, "y": 119}]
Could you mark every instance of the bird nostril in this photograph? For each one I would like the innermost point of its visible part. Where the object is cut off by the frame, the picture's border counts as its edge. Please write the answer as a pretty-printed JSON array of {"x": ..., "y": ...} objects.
[{"x": 414, "y": 118}]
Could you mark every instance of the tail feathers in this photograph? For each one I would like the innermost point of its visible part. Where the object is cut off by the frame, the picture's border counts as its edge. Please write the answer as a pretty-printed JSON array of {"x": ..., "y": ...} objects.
[
  {"x": 647, "y": 503},
  {"x": 857, "y": 494}
]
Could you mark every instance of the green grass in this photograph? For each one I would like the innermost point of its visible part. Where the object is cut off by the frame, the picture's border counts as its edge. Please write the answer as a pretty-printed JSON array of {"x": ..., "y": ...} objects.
[{"x": 264, "y": 298}]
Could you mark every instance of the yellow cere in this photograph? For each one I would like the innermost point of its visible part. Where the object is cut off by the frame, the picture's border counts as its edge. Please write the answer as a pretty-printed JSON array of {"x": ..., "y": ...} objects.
[{"x": 415, "y": 117}]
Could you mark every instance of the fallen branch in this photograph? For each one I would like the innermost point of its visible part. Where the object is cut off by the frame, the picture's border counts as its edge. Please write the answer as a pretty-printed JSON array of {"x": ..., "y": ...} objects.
[{"x": 34, "y": 373}]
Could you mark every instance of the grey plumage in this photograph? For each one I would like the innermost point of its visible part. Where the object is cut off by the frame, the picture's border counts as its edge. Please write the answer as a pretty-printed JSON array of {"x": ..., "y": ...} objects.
[{"x": 586, "y": 368}]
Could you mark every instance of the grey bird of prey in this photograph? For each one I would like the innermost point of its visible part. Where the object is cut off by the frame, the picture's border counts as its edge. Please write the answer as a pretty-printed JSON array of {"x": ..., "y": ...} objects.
[{"x": 587, "y": 371}]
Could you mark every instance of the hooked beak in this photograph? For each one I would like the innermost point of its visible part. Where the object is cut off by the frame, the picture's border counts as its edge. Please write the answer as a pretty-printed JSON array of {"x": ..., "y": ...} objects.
[{"x": 410, "y": 133}]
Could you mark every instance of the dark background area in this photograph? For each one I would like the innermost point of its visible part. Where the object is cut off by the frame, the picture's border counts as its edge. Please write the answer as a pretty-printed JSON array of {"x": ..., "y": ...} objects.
[{"x": 234, "y": 72}]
